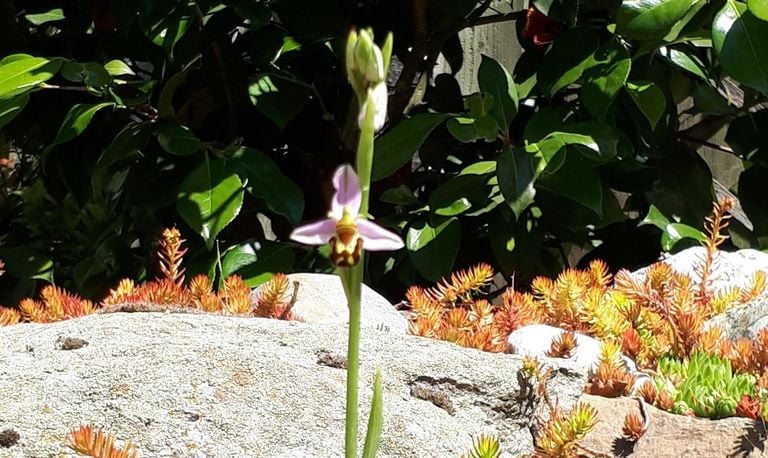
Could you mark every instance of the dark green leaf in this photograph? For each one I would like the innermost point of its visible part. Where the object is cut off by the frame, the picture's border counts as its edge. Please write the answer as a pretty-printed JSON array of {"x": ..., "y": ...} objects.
[
  {"x": 747, "y": 136},
  {"x": 468, "y": 130},
  {"x": 752, "y": 197},
  {"x": 209, "y": 198},
  {"x": 56, "y": 14},
  {"x": 257, "y": 13},
  {"x": 597, "y": 140},
  {"x": 123, "y": 150},
  {"x": 396, "y": 147},
  {"x": 278, "y": 98},
  {"x": 432, "y": 246},
  {"x": 177, "y": 139},
  {"x": 400, "y": 195},
  {"x": 459, "y": 194},
  {"x": 89, "y": 73},
  {"x": 578, "y": 180},
  {"x": 604, "y": 77},
  {"x": 266, "y": 181},
  {"x": 649, "y": 99},
  {"x": 25, "y": 263},
  {"x": 21, "y": 74},
  {"x": 75, "y": 122},
  {"x": 739, "y": 40},
  {"x": 517, "y": 176},
  {"x": 652, "y": 19},
  {"x": 671, "y": 232},
  {"x": 257, "y": 262},
  {"x": 494, "y": 79},
  {"x": 546, "y": 120},
  {"x": 564, "y": 11},
  {"x": 567, "y": 59},
  {"x": 164, "y": 22},
  {"x": 165, "y": 102},
  {"x": 684, "y": 190},
  {"x": 9, "y": 108},
  {"x": 685, "y": 61}
]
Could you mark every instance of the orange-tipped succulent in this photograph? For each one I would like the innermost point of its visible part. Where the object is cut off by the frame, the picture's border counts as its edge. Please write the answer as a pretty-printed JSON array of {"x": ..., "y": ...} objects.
[
  {"x": 171, "y": 255},
  {"x": 96, "y": 444},
  {"x": 560, "y": 434},
  {"x": 634, "y": 427},
  {"x": 563, "y": 345}
]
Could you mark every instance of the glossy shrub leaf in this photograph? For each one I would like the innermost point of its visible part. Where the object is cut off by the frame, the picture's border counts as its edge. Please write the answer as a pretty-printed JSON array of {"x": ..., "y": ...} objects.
[
  {"x": 739, "y": 38},
  {"x": 685, "y": 61},
  {"x": 76, "y": 121},
  {"x": 89, "y": 73},
  {"x": 566, "y": 61},
  {"x": 21, "y": 74},
  {"x": 759, "y": 8},
  {"x": 165, "y": 102},
  {"x": 209, "y": 198},
  {"x": 596, "y": 140},
  {"x": 177, "y": 139},
  {"x": 399, "y": 195},
  {"x": 578, "y": 180},
  {"x": 494, "y": 79},
  {"x": 517, "y": 175},
  {"x": 9, "y": 108},
  {"x": 26, "y": 263},
  {"x": 752, "y": 197},
  {"x": 468, "y": 130},
  {"x": 651, "y": 19},
  {"x": 432, "y": 246},
  {"x": 56, "y": 14},
  {"x": 649, "y": 99},
  {"x": 164, "y": 22},
  {"x": 459, "y": 194},
  {"x": 123, "y": 151},
  {"x": 264, "y": 180},
  {"x": 564, "y": 11},
  {"x": 684, "y": 188},
  {"x": 604, "y": 77},
  {"x": 257, "y": 262},
  {"x": 278, "y": 98},
  {"x": 118, "y": 68},
  {"x": 396, "y": 148},
  {"x": 671, "y": 232},
  {"x": 747, "y": 136}
]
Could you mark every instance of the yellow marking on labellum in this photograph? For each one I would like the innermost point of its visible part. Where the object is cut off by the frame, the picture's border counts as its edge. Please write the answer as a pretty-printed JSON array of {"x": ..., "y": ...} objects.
[{"x": 346, "y": 245}]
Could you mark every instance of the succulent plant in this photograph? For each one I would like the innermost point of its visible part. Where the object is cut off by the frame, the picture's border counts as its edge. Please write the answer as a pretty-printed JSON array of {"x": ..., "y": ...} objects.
[{"x": 704, "y": 385}]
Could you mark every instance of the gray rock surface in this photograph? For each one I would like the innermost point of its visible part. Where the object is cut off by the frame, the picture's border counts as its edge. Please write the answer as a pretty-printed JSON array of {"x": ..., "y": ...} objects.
[
  {"x": 743, "y": 320},
  {"x": 186, "y": 385},
  {"x": 731, "y": 268},
  {"x": 321, "y": 300}
]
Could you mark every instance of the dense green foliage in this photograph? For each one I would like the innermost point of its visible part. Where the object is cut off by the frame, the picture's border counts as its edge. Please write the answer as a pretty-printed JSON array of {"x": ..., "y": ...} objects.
[{"x": 227, "y": 118}]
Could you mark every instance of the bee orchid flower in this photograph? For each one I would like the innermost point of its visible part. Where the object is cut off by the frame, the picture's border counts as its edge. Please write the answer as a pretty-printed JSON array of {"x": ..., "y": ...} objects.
[{"x": 348, "y": 232}]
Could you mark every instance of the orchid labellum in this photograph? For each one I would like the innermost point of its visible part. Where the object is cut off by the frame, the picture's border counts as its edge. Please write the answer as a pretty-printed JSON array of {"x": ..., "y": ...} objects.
[{"x": 348, "y": 232}]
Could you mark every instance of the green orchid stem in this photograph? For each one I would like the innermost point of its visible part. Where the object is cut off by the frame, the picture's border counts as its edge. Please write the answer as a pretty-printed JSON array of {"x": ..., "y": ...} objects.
[
  {"x": 365, "y": 153},
  {"x": 352, "y": 278}
]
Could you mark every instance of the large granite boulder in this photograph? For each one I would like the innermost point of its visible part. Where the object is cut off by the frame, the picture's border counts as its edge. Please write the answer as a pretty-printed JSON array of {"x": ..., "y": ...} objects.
[
  {"x": 730, "y": 269},
  {"x": 188, "y": 385},
  {"x": 733, "y": 268},
  {"x": 321, "y": 300}
]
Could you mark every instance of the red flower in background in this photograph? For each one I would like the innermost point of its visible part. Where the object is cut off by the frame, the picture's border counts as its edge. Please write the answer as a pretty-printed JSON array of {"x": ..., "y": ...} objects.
[{"x": 540, "y": 28}]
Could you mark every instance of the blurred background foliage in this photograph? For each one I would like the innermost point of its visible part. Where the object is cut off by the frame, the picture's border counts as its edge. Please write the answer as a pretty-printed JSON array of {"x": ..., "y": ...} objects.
[{"x": 226, "y": 119}]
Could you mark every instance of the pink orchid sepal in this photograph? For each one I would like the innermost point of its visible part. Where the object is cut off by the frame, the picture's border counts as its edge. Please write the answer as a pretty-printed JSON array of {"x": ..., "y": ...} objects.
[{"x": 345, "y": 229}]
